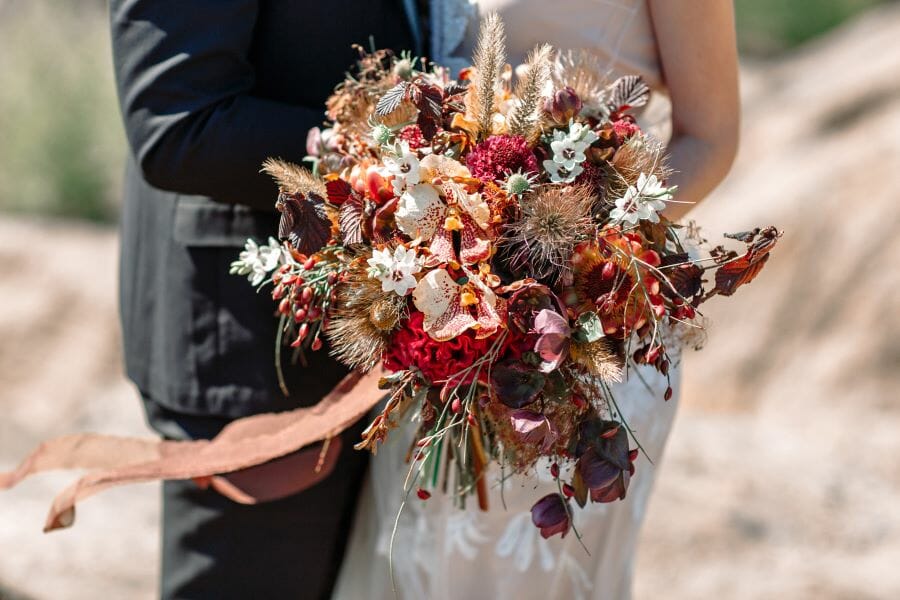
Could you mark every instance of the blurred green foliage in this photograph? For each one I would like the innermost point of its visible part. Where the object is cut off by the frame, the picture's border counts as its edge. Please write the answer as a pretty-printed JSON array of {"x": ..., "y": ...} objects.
[
  {"x": 769, "y": 27},
  {"x": 61, "y": 140}
]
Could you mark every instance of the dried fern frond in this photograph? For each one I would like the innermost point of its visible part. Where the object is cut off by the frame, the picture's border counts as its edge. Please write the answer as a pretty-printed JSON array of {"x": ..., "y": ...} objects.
[
  {"x": 584, "y": 72},
  {"x": 293, "y": 179},
  {"x": 524, "y": 118},
  {"x": 490, "y": 56}
]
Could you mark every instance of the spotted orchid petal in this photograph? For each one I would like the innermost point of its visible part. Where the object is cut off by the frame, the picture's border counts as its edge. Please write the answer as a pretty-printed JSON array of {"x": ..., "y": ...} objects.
[{"x": 420, "y": 211}]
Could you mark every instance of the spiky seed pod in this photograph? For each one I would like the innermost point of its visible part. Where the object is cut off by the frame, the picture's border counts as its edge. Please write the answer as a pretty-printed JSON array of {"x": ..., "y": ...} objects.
[
  {"x": 489, "y": 58},
  {"x": 524, "y": 119},
  {"x": 293, "y": 179},
  {"x": 641, "y": 154},
  {"x": 553, "y": 220},
  {"x": 363, "y": 319},
  {"x": 601, "y": 358}
]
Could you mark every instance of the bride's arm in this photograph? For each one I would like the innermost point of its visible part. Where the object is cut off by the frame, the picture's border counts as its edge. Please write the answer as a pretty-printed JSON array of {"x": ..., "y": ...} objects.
[{"x": 697, "y": 49}]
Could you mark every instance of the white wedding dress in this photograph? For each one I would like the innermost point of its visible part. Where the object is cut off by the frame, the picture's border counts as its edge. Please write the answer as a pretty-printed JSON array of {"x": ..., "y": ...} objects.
[{"x": 441, "y": 552}]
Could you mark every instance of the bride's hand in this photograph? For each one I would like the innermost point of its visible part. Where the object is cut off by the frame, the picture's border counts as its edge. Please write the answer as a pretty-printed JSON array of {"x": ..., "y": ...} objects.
[{"x": 696, "y": 40}]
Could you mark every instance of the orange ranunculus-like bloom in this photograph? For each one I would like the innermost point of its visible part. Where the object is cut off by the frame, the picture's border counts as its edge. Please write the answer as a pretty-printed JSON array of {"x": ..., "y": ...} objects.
[{"x": 614, "y": 277}]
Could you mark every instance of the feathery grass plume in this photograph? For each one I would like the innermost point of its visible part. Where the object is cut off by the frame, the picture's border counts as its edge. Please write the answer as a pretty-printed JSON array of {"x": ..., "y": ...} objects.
[
  {"x": 524, "y": 119},
  {"x": 640, "y": 154},
  {"x": 601, "y": 358},
  {"x": 489, "y": 58},
  {"x": 360, "y": 326},
  {"x": 553, "y": 220},
  {"x": 293, "y": 179},
  {"x": 584, "y": 72}
]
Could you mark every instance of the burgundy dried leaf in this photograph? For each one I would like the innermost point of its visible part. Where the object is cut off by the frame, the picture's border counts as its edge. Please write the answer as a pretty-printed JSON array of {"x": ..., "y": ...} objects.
[
  {"x": 428, "y": 98},
  {"x": 732, "y": 275},
  {"x": 686, "y": 279},
  {"x": 339, "y": 191},
  {"x": 303, "y": 222},
  {"x": 350, "y": 220}
]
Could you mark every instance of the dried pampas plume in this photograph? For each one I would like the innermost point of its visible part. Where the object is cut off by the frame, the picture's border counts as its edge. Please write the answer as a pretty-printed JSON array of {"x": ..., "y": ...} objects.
[
  {"x": 489, "y": 58},
  {"x": 553, "y": 220},
  {"x": 363, "y": 319},
  {"x": 293, "y": 179},
  {"x": 524, "y": 119}
]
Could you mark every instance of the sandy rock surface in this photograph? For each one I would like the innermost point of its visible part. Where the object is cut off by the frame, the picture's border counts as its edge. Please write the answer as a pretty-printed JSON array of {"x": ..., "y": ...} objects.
[{"x": 782, "y": 478}]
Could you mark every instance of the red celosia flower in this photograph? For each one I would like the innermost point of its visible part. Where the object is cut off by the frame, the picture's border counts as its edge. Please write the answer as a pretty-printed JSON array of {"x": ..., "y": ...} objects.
[
  {"x": 411, "y": 347},
  {"x": 412, "y": 135},
  {"x": 500, "y": 155}
]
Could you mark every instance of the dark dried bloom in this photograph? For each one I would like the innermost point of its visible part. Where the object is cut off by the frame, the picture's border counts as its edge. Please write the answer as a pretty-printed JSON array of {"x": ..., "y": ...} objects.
[
  {"x": 551, "y": 515},
  {"x": 563, "y": 105}
]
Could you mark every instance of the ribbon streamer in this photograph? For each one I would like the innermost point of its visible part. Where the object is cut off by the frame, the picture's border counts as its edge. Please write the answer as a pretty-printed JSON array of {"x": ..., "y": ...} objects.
[{"x": 254, "y": 459}]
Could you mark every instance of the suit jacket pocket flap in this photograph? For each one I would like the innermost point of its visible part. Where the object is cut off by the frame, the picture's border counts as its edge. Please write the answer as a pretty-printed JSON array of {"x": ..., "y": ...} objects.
[{"x": 201, "y": 222}]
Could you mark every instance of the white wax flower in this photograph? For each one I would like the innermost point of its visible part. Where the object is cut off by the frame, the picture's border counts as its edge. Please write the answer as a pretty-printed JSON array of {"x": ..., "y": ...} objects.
[
  {"x": 642, "y": 202},
  {"x": 395, "y": 270},
  {"x": 404, "y": 167}
]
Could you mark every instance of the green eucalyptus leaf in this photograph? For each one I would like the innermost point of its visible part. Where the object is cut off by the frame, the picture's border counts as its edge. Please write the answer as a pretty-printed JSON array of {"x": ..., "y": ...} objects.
[{"x": 588, "y": 328}]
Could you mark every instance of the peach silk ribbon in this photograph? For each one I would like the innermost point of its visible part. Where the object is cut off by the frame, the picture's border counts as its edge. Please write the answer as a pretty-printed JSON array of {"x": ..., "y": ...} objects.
[{"x": 254, "y": 459}]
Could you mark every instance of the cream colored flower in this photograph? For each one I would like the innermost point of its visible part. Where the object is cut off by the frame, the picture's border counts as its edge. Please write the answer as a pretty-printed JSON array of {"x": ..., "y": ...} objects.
[
  {"x": 420, "y": 211},
  {"x": 451, "y": 308}
]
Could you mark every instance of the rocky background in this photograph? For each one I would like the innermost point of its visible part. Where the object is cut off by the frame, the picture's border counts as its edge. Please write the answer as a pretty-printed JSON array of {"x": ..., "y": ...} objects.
[{"x": 782, "y": 478}]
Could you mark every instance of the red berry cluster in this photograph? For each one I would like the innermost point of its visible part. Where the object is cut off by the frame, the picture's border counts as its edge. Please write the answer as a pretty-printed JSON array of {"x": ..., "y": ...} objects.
[{"x": 304, "y": 291}]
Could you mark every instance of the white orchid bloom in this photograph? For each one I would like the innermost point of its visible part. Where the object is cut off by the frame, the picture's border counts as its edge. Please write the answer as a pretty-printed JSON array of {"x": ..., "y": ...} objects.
[{"x": 420, "y": 211}]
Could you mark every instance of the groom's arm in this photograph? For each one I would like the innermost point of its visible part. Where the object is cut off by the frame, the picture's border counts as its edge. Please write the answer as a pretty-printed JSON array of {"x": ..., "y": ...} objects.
[{"x": 184, "y": 82}]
